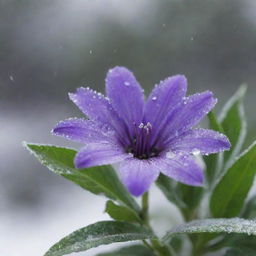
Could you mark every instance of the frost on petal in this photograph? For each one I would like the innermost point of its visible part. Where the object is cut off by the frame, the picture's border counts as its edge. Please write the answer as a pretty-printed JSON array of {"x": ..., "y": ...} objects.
[
  {"x": 84, "y": 131},
  {"x": 182, "y": 168},
  {"x": 99, "y": 154},
  {"x": 125, "y": 96},
  {"x": 189, "y": 114},
  {"x": 137, "y": 175},
  {"x": 164, "y": 99},
  {"x": 92, "y": 104},
  {"x": 202, "y": 141},
  {"x": 97, "y": 108}
]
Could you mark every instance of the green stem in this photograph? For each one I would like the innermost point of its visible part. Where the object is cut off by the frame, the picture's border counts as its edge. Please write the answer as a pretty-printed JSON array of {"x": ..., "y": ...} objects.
[
  {"x": 145, "y": 207},
  {"x": 155, "y": 245},
  {"x": 162, "y": 250},
  {"x": 147, "y": 245}
]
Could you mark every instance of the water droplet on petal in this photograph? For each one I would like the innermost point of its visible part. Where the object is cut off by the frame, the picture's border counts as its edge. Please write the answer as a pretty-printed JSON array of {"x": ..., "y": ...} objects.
[
  {"x": 105, "y": 129},
  {"x": 154, "y": 98},
  {"x": 170, "y": 155},
  {"x": 126, "y": 83},
  {"x": 196, "y": 152}
]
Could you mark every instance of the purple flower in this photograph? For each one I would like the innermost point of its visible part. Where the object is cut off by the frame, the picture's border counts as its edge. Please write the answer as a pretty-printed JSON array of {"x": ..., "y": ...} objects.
[{"x": 143, "y": 137}]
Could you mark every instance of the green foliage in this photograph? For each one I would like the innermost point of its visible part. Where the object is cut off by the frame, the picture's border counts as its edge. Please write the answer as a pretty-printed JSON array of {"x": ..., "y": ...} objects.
[
  {"x": 213, "y": 161},
  {"x": 232, "y": 120},
  {"x": 235, "y": 225},
  {"x": 122, "y": 213},
  {"x": 239, "y": 252},
  {"x": 98, "y": 180},
  {"x": 191, "y": 196},
  {"x": 229, "y": 195},
  {"x": 176, "y": 243},
  {"x": 104, "y": 232},
  {"x": 233, "y": 124},
  {"x": 249, "y": 211},
  {"x": 185, "y": 197},
  {"x": 137, "y": 250},
  {"x": 168, "y": 187},
  {"x": 213, "y": 122},
  {"x": 242, "y": 244}
]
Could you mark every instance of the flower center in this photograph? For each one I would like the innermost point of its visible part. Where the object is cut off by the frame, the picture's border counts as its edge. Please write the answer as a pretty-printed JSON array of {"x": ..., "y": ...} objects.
[{"x": 140, "y": 145}]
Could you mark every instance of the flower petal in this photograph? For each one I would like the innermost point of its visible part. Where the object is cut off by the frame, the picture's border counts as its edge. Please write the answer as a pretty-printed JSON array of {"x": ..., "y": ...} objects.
[
  {"x": 99, "y": 154},
  {"x": 92, "y": 104},
  {"x": 200, "y": 140},
  {"x": 189, "y": 114},
  {"x": 164, "y": 99},
  {"x": 125, "y": 95},
  {"x": 137, "y": 175},
  {"x": 182, "y": 168},
  {"x": 97, "y": 108},
  {"x": 84, "y": 131}
]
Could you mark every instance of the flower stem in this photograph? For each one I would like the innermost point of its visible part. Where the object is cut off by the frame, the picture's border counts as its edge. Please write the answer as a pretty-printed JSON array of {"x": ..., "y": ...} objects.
[
  {"x": 147, "y": 245},
  {"x": 145, "y": 207},
  {"x": 155, "y": 244}
]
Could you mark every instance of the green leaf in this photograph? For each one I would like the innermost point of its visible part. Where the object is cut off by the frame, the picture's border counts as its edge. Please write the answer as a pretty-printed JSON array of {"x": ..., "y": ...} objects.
[
  {"x": 239, "y": 252},
  {"x": 242, "y": 243},
  {"x": 119, "y": 212},
  {"x": 168, "y": 187},
  {"x": 104, "y": 232},
  {"x": 190, "y": 195},
  {"x": 232, "y": 119},
  {"x": 235, "y": 225},
  {"x": 213, "y": 123},
  {"x": 230, "y": 193},
  {"x": 249, "y": 211},
  {"x": 98, "y": 180},
  {"x": 185, "y": 197},
  {"x": 176, "y": 243},
  {"x": 134, "y": 250},
  {"x": 214, "y": 161}
]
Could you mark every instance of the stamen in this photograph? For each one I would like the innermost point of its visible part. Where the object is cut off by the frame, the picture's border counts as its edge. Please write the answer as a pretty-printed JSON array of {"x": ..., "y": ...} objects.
[
  {"x": 141, "y": 125},
  {"x": 140, "y": 144}
]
